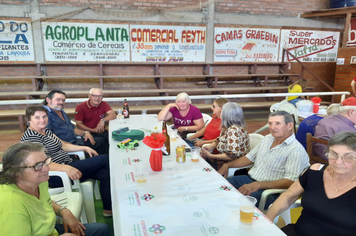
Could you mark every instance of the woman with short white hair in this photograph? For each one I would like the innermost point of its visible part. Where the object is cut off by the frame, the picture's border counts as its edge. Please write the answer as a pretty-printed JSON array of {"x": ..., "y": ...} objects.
[{"x": 186, "y": 117}]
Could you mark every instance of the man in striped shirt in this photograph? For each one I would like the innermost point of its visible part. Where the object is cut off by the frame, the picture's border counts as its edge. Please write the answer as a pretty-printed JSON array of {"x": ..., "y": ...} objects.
[{"x": 277, "y": 160}]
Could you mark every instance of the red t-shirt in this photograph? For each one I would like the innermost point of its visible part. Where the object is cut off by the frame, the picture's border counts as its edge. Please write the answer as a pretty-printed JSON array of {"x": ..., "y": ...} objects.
[
  {"x": 355, "y": 79},
  {"x": 90, "y": 115},
  {"x": 213, "y": 130}
]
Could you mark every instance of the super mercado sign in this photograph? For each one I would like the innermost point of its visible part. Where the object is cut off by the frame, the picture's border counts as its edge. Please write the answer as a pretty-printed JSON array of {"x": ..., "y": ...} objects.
[
  {"x": 155, "y": 43},
  {"x": 16, "y": 43},
  {"x": 65, "y": 41},
  {"x": 309, "y": 45},
  {"x": 246, "y": 44}
]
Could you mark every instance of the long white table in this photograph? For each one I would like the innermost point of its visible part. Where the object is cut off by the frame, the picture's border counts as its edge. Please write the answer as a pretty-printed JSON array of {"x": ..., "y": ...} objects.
[{"x": 188, "y": 198}]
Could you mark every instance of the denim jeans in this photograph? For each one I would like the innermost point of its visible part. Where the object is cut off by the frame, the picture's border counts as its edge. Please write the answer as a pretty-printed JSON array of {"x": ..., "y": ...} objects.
[
  {"x": 239, "y": 180},
  {"x": 92, "y": 229}
]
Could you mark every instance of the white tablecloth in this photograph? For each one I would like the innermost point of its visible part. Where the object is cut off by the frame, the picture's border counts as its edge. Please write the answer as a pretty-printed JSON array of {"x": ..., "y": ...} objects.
[{"x": 183, "y": 199}]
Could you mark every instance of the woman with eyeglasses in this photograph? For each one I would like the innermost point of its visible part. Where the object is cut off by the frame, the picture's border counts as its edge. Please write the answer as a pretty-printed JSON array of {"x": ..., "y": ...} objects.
[
  {"x": 96, "y": 167},
  {"x": 212, "y": 130},
  {"x": 329, "y": 193},
  {"x": 25, "y": 205},
  {"x": 233, "y": 141}
]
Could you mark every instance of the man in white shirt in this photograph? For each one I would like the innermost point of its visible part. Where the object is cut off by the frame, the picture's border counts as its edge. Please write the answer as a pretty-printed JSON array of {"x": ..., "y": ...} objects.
[{"x": 277, "y": 160}]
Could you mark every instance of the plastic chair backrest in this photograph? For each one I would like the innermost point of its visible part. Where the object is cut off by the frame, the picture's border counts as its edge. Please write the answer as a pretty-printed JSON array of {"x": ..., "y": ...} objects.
[
  {"x": 291, "y": 109},
  {"x": 206, "y": 119},
  {"x": 255, "y": 139}
]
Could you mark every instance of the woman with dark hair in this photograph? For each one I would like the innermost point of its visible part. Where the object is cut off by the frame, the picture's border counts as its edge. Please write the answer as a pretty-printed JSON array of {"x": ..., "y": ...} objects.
[
  {"x": 329, "y": 193},
  {"x": 25, "y": 205},
  {"x": 233, "y": 141},
  {"x": 96, "y": 167}
]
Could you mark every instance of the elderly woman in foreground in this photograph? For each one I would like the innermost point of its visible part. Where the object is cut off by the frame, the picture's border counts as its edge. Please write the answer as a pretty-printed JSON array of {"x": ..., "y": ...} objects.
[
  {"x": 186, "y": 117},
  {"x": 233, "y": 141},
  {"x": 25, "y": 205},
  {"x": 329, "y": 193},
  {"x": 96, "y": 167}
]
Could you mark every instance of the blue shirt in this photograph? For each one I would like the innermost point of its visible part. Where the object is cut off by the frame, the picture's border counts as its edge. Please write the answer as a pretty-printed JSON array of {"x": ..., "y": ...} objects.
[
  {"x": 63, "y": 129},
  {"x": 307, "y": 126}
]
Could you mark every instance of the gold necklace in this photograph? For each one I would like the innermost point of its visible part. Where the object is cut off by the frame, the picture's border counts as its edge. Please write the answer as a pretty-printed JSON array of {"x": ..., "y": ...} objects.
[{"x": 332, "y": 177}]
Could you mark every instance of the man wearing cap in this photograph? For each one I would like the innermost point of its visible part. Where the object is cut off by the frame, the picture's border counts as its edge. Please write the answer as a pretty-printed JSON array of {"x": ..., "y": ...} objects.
[
  {"x": 93, "y": 114},
  {"x": 333, "y": 124},
  {"x": 60, "y": 124}
]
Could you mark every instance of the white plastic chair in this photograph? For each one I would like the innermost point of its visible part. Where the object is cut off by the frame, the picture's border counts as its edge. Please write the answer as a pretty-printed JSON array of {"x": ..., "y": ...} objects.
[
  {"x": 85, "y": 187},
  {"x": 207, "y": 118},
  {"x": 265, "y": 195},
  {"x": 254, "y": 140}
]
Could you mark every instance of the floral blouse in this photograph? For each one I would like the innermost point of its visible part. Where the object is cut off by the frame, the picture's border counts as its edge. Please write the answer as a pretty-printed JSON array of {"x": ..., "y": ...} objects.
[{"x": 234, "y": 141}]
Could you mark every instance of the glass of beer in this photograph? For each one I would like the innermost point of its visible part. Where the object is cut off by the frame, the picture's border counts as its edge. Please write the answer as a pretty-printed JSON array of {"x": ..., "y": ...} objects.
[
  {"x": 247, "y": 207},
  {"x": 141, "y": 173},
  {"x": 195, "y": 154}
]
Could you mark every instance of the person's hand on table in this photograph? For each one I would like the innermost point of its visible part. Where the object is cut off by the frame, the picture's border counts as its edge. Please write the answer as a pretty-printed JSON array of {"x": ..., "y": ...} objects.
[
  {"x": 247, "y": 189},
  {"x": 224, "y": 170},
  {"x": 205, "y": 153},
  {"x": 100, "y": 128},
  {"x": 73, "y": 173},
  {"x": 181, "y": 129},
  {"x": 72, "y": 223},
  {"x": 198, "y": 143}
]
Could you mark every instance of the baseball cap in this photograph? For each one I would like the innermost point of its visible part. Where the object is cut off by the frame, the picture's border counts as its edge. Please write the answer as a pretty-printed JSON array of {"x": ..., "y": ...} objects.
[{"x": 349, "y": 101}]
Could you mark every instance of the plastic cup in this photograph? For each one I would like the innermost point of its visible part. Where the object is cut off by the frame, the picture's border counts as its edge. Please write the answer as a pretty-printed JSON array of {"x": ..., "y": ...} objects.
[
  {"x": 247, "y": 207},
  {"x": 143, "y": 113},
  {"x": 174, "y": 135},
  {"x": 141, "y": 174},
  {"x": 195, "y": 154},
  {"x": 119, "y": 113}
]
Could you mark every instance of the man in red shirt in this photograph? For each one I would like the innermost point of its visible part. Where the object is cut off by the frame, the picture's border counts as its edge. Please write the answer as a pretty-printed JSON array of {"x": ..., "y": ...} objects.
[{"x": 93, "y": 114}]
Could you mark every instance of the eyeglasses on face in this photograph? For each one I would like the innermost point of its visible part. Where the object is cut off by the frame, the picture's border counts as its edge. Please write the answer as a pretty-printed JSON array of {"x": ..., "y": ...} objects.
[
  {"x": 348, "y": 158},
  {"x": 215, "y": 106},
  {"x": 96, "y": 96},
  {"x": 39, "y": 165}
]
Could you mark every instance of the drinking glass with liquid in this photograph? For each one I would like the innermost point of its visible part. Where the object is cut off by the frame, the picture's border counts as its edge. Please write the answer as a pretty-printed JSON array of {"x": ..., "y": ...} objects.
[
  {"x": 247, "y": 207},
  {"x": 140, "y": 172}
]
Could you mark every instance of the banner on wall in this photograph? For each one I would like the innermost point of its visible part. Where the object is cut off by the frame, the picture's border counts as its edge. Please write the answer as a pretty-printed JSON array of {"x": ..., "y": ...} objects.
[
  {"x": 352, "y": 33},
  {"x": 66, "y": 41},
  {"x": 163, "y": 43},
  {"x": 16, "y": 42},
  {"x": 310, "y": 45},
  {"x": 246, "y": 44}
]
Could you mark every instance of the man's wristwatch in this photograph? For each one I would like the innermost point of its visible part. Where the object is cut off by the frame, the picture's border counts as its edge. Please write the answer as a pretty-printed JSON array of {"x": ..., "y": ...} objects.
[
  {"x": 103, "y": 120},
  {"x": 86, "y": 132}
]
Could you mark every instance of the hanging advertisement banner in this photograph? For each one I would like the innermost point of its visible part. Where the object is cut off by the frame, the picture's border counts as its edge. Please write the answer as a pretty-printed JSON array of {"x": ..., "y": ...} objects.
[
  {"x": 352, "y": 33},
  {"x": 246, "y": 44},
  {"x": 163, "y": 43},
  {"x": 16, "y": 42},
  {"x": 310, "y": 45},
  {"x": 91, "y": 42}
]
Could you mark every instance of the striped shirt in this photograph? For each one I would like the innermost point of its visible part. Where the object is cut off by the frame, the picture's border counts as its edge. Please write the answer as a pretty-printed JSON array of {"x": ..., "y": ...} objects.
[
  {"x": 285, "y": 161},
  {"x": 52, "y": 144}
]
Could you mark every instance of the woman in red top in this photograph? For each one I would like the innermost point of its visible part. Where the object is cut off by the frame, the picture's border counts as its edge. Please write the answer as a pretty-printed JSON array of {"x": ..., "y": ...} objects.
[{"x": 212, "y": 130}]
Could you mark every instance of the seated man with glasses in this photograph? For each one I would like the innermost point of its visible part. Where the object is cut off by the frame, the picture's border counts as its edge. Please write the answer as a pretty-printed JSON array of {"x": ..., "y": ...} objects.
[{"x": 93, "y": 114}]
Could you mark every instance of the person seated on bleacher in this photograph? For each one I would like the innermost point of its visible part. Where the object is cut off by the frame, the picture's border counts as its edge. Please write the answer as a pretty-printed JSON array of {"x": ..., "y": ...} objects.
[
  {"x": 309, "y": 123},
  {"x": 26, "y": 207},
  {"x": 334, "y": 124},
  {"x": 93, "y": 114},
  {"x": 297, "y": 87},
  {"x": 212, "y": 130},
  {"x": 277, "y": 160},
  {"x": 60, "y": 124},
  {"x": 186, "y": 117},
  {"x": 233, "y": 141},
  {"x": 96, "y": 167},
  {"x": 328, "y": 193}
]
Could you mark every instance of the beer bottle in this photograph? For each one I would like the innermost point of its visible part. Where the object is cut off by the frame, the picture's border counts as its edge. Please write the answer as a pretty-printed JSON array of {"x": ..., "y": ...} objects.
[
  {"x": 167, "y": 143},
  {"x": 126, "y": 110}
]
